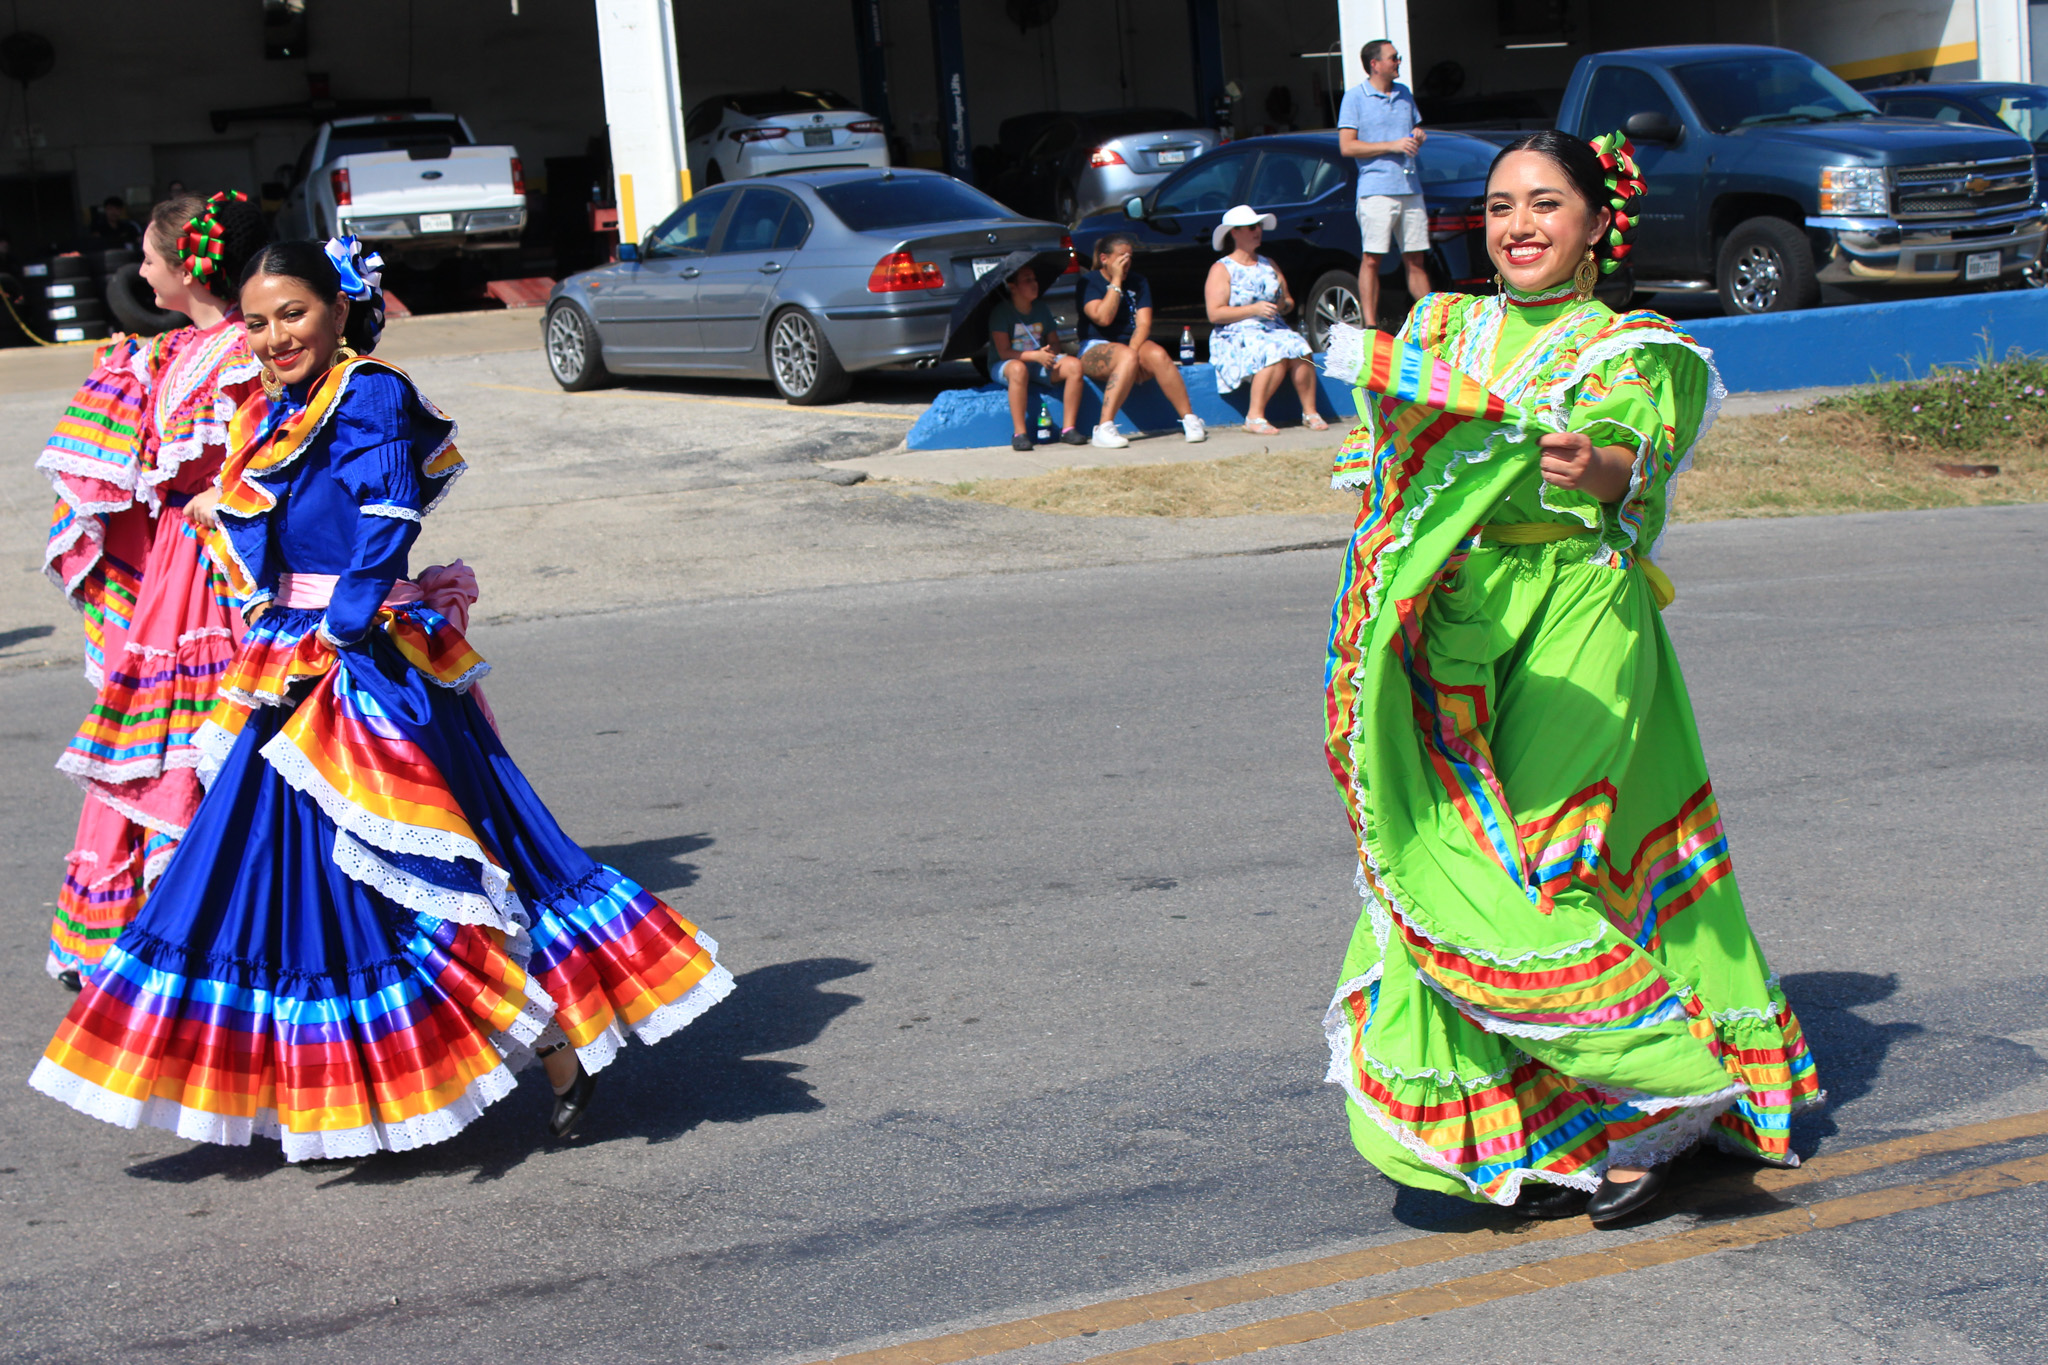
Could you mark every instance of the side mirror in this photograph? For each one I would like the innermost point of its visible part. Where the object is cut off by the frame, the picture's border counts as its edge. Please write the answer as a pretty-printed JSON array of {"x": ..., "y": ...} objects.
[
  {"x": 629, "y": 251},
  {"x": 1134, "y": 207},
  {"x": 1652, "y": 127}
]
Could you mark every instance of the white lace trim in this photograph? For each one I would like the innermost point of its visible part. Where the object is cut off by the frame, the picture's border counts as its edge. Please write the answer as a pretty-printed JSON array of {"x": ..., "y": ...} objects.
[
  {"x": 128, "y": 810},
  {"x": 196, "y": 1125},
  {"x": 1339, "y": 1032},
  {"x": 386, "y": 509},
  {"x": 680, "y": 1013},
  {"x": 214, "y": 743},
  {"x": 121, "y": 473},
  {"x": 300, "y": 774},
  {"x": 1675, "y": 1136},
  {"x": 1340, "y": 1075},
  {"x": 1344, "y": 357},
  {"x": 1365, "y": 890},
  {"x": 359, "y": 864}
]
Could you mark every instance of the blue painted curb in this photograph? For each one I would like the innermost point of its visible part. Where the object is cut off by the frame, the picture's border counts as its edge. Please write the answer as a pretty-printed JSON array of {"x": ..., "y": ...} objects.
[
  {"x": 978, "y": 418},
  {"x": 1861, "y": 343}
]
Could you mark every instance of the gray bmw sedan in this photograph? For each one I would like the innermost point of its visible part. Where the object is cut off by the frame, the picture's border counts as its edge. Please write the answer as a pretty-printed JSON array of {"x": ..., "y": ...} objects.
[{"x": 801, "y": 279}]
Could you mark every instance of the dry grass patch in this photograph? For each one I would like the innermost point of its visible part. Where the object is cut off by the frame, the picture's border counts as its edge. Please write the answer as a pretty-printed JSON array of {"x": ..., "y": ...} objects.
[
  {"x": 1271, "y": 482},
  {"x": 1832, "y": 459},
  {"x": 1799, "y": 463}
]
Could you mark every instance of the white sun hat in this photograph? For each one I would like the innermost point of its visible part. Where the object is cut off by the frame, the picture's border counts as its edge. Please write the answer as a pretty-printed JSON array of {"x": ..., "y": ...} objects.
[{"x": 1244, "y": 215}]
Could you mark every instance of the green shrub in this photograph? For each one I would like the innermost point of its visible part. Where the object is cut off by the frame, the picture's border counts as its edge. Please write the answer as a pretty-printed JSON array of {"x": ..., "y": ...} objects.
[{"x": 1995, "y": 404}]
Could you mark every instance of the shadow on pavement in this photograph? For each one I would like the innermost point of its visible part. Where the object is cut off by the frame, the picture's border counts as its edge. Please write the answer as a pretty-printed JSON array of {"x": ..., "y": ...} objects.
[
  {"x": 10, "y": 638},
  {"x": 1848, "y": 1050},
  {"x": 712, "y": 1072},
  {"x": 655, "y": 863}
]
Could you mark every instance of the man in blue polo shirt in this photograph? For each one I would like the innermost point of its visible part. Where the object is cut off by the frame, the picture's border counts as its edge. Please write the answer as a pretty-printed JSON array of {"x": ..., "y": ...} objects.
[{"x": 1380, "y": 125}]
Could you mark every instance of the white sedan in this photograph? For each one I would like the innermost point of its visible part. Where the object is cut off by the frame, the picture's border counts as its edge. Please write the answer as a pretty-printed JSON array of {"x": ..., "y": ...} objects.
[{"x": 769, "y": 131}]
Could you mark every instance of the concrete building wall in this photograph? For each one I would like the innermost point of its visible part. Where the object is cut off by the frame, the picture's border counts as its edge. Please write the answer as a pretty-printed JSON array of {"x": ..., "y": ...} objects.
[{"x": 125, "y": 107}]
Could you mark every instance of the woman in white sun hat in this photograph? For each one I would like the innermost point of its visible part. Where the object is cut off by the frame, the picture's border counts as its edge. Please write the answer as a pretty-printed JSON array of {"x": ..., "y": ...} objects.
[{"x": 1248, "y": 301}]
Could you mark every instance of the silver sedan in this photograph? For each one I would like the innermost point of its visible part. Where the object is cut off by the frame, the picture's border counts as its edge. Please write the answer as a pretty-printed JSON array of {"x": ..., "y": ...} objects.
[{"x": 802, "y": 279}]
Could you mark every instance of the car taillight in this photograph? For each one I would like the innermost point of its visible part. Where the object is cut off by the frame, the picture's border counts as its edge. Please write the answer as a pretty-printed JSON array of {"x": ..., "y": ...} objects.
[
  {"x": 339, "y": 179},
  {"x": 1073, "y": 261},
  {"x": 518, "y": 177},
  {"x": 758, "y": 134},
  {"x": 866, "y": 125},
  {"x": 1444, "y": 226},
  {"x": 899, "y": 270},
  {"x": 1105, "y": 156}
]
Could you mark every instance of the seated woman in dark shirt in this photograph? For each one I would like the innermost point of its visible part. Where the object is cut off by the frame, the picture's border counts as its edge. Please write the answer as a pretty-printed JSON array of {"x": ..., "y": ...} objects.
[{"x": 1117, "y": 350}]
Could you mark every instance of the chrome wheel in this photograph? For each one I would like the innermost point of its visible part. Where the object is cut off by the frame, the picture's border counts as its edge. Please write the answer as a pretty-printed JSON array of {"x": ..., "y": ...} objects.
[
  {"x": 1333, "y": 304},
  {"x": 2035, "y": 272},
  {"x": 793, "y": 352},
  {"x": 568, "y": 345},
  {"x": 1757, "y": 278}
]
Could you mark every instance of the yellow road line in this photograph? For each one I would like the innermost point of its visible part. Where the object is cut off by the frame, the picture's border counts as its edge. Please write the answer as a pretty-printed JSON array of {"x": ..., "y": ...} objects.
[
  {"x": 689, "y": 398},
  {"x": 1592, "y": 1265},
  {"x": 1416, "y": 1251}
]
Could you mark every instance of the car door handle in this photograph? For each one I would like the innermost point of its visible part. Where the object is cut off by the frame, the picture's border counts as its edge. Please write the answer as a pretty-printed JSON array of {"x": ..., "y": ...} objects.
[
  {"x": 1310, "y": 225},
  {"x": 691, "y": 272},
  {"x": 771, "y": 267}
]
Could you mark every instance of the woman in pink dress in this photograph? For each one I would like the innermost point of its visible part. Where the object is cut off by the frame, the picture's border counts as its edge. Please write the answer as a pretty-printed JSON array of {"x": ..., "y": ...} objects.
[{"x": 133, "y": 462}]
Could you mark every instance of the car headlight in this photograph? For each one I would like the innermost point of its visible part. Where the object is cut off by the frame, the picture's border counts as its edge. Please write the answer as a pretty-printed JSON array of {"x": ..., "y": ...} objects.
[{"x": 1854, "y": 190}]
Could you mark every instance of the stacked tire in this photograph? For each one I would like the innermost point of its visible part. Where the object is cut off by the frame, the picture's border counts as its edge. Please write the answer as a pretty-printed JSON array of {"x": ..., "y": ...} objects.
[{"x": 72, "y": 306}]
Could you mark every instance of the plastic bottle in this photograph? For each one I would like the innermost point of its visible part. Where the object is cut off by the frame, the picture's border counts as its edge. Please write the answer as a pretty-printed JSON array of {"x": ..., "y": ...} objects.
[
  {"x": 1044, "y": 421},
  {"x": 1187, "y": 345}
]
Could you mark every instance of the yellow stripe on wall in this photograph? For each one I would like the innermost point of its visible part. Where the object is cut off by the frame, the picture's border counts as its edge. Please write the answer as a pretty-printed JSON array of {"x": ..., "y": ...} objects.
[
  {"x": 1906, "y": 61},
  {"x": 629, "y": 226}
]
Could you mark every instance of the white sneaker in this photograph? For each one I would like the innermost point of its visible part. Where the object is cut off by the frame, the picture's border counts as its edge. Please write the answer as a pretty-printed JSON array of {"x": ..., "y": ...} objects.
[
  {"x": 1108, "y": 437},
  {"x": 1194, "y": 428}
]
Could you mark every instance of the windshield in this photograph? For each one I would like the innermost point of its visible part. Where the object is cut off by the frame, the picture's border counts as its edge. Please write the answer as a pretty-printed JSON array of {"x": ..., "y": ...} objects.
[
  {"x": 357, "y": 138},
  {"x": 1771, "y": 89},
  {"x": 2026, "y": 113},
  {"x": 907, "y": 201},
  {"x": 1445, "y": 159},
  {"x": 769, "y": 103}
]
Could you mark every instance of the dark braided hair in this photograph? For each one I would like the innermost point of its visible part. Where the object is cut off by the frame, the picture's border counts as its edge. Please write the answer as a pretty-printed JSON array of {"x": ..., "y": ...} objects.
[
  {"x": 242, "y": 235},
  {"x": 1582, "y": 166},
  {"x": 307, "y": 263}
]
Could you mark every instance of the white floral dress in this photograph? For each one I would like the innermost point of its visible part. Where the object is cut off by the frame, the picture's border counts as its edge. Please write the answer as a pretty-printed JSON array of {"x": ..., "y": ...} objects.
[{"x": 1239, "y": 350}]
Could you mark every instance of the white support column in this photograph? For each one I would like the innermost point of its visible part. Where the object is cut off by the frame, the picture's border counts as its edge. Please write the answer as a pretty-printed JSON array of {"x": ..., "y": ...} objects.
[
  {"x": 1361, "y": 21},
  {"x": 643, "y": 111},
  {"x": 2003, "y": 50}
]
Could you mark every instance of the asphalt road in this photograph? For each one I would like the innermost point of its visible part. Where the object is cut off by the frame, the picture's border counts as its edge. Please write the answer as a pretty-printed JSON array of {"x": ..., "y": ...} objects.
[{"x": 1036, "y": 889}]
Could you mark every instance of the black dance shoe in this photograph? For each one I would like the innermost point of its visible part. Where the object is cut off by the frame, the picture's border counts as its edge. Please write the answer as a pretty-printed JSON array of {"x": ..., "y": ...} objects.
[
  {"x": 70, "y": 980},
  {"x": 572, "y": 1104},
  {"x": 1543, "y": 1200},
  {"x": 1611, "y": 1203}
]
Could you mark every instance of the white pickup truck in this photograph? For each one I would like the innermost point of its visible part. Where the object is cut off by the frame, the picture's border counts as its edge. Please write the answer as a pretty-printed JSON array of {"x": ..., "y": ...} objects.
[{"x": 414, "y": 185}]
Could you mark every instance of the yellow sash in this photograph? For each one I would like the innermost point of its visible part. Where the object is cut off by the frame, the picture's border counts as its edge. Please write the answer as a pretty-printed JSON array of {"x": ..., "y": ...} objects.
[{"x": 1544, "y": 532}]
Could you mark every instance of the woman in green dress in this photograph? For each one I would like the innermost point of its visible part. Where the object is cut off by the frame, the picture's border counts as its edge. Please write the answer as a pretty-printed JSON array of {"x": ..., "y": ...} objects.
[{"x": 1552, "y": 990}]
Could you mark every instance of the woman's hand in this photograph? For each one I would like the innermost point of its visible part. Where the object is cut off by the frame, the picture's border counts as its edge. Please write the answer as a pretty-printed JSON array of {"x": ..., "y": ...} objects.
[
  {"x": 255, "y": 613},
  {"x": 199, "y": 512},
  {"x": 1265, "y": 310},
  {"x": 1571, "y": 460}
]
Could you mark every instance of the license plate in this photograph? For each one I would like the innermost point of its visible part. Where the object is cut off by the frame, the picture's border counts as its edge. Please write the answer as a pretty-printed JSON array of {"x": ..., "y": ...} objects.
[
  {"x": 1173, "y": 158},
  {"x": 437, "y": 222},
  {"x": 817, "y": 137},
  {"x": 984, "y": 264},
  {"x": 1981, "y": 265}
]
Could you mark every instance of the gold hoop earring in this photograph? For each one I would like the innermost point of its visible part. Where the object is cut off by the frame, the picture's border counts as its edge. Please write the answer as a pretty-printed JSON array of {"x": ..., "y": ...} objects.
[
  {"x": 1587, "y": 275},
  {"x": 273, "y": 386},
  {"x": 1500, "y": 284},
  {"x": 344, "y": 353}
]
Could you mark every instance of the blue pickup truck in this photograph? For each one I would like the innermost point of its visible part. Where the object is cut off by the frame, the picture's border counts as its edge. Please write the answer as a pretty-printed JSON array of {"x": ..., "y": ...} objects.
[{"x": 1769, "y": 178}]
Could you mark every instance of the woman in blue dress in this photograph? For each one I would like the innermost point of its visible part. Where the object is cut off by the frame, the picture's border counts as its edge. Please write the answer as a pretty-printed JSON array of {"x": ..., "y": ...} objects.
[
  {"x": 373, "y": 921},
  {"x": 1248, "y": 302}
]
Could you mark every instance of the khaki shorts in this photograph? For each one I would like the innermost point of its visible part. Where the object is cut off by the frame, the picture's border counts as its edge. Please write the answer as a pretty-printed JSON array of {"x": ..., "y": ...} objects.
[{"x": 1385, "y": 218}]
